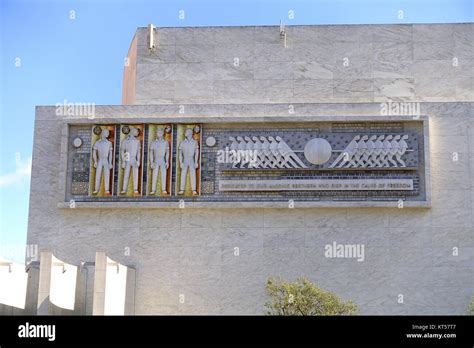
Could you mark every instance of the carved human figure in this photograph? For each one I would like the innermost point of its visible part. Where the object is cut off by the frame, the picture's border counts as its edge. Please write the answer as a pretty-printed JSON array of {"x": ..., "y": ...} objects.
[
  {"x": 248, "y": 143},
  {"x": 271, "y": 160},
  {"x": 374, "y": 151},
  {"x": 274, "y": 150},
  {"x": 251, "y": 152},
  {"x": 376, "y": 158},
  {"x": 402, "y": 148},
  {"x": 368, "y": 156},
  {"x": 131, "y": 155},
  {"x": 241, "y": 152},
  {"x": 394, "y": 150},
  {"x": 234, "y": 146},
  {"x": 159, "y": 160},
  {"x": 360, "y": 152},
  {"x": 387, "y": 146},
  {"x": 188, "y": 153},
  {"x": 102, "y": 155},
  {"x": 260, "y": 155},
  {"x": 285, "y": 153},
  {"x": 347, "y": 154}
]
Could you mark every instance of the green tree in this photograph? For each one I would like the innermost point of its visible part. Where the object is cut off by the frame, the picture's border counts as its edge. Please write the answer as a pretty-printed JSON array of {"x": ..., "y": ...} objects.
[{"x": 302, "y": 297}]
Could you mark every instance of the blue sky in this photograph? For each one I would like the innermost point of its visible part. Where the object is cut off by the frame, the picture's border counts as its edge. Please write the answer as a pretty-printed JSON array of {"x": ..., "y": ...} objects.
[{"x": 46, "y": 57}]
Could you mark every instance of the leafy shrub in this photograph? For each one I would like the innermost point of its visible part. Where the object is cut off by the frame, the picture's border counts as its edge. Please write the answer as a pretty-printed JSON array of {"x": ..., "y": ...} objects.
[{"x": 302, "y": 297}]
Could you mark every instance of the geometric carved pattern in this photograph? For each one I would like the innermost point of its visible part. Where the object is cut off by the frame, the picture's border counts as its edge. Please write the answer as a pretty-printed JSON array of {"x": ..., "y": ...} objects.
[
  {"x": 79, "y": 188},
  {"x": 263, "y": 152},
  {"x": 282, "y": 154},
  {"x": 376, "y": 151}
]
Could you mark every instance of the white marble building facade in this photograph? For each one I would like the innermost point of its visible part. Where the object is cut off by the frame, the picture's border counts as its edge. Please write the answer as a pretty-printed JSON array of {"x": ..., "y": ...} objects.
[{"x": 185, "y": 258}]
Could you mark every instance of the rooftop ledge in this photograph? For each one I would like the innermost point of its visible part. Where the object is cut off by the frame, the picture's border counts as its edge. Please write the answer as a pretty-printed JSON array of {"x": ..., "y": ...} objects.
[{"x": 240, "y": 204}]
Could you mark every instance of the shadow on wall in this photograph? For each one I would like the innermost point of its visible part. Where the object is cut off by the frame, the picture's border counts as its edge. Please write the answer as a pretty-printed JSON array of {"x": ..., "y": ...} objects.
[{"x": 53, "y": 287}]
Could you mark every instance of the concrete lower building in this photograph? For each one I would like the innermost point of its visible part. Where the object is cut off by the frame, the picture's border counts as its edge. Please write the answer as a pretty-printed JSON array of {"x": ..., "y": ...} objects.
[{"x": 354, "y": 135}]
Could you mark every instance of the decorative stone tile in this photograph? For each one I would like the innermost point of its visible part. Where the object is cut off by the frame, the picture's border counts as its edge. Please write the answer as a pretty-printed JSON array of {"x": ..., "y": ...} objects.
[
  {"x": 392, "y": 69},
  {"x": 162, "y": 54},
  {"x": 197, "y": 53},
  {"x": 393, "y": 51},
  {"x": 229, "y": 52},
  {"x": 429, "y": 89},
  {"x": 394, "y": 89},
  {"x": 433, "y": 50},
  {"x": 231, "y": 71},
  {"x": 312, "y": 70},
  {"x": 361, "y": 88},
  {"x": 384, "y": 33}
]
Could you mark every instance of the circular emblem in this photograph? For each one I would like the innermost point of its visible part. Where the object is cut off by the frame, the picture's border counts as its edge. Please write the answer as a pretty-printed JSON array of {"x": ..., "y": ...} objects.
[
  {"x": 77, "y": 142},
  {"x": 210, "y": 141},
  {"x": 97, "y": 130},
  {"x": 125, "y": 130},
  {"x": 317, "y": 151}
]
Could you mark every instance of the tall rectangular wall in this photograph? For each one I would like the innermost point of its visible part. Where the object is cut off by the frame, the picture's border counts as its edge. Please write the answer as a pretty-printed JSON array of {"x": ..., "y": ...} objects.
[
  {"x": 185, "y": 259},
  {"x": 215, "y": 260},
  {"x": 320, "y": 64}
]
